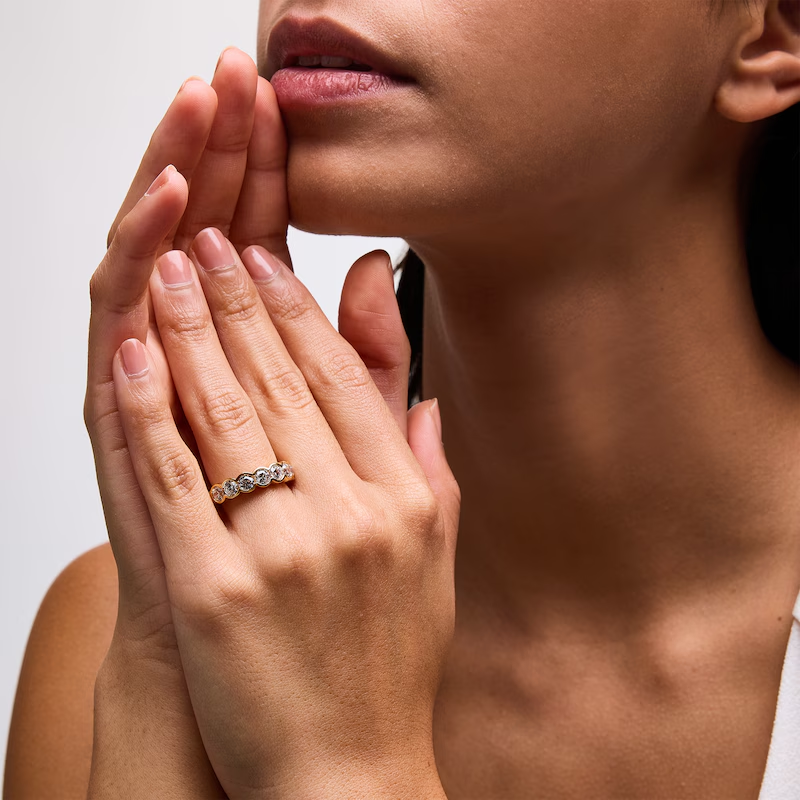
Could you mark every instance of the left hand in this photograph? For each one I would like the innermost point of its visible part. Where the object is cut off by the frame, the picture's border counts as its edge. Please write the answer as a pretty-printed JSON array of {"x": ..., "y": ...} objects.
[{"x": 313, "y": 619}]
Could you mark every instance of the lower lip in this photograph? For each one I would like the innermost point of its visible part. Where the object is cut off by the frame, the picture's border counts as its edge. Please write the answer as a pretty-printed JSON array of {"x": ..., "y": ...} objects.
[{"x": 304, "y": 86}]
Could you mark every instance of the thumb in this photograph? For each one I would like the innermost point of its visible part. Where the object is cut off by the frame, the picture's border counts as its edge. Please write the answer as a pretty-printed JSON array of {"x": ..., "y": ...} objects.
[
  {"x": 369, "y": 319},
  {"x": 425, "y": 440}
]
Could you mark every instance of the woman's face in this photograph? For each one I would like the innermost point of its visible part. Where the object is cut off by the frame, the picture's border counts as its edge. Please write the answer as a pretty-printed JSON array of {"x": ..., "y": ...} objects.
[{"x": 520, "y": 109}]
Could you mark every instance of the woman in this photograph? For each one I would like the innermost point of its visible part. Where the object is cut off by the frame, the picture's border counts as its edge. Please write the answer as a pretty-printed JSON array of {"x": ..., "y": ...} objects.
[{"x": 621, "y": 429}]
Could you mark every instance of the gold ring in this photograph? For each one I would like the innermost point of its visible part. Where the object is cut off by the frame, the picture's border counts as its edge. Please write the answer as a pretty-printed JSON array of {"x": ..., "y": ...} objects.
[{"x": 279, "y": 472}]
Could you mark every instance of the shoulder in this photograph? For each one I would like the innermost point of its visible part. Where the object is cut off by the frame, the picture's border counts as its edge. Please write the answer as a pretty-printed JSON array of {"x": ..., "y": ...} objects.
[{"x": 50, "y": 740}]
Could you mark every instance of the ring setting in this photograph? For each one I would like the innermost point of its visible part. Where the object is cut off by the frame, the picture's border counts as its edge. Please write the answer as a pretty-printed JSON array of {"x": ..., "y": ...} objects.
[{"x": 279, "y": 472}]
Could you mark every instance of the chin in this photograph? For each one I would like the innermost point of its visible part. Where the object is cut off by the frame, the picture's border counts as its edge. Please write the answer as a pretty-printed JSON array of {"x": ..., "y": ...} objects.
[{"x": 340, "y": 188}]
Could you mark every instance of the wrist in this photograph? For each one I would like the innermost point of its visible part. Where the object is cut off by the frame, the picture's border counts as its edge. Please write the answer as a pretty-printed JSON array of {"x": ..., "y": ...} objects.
[{"x": 146, "y": 741}]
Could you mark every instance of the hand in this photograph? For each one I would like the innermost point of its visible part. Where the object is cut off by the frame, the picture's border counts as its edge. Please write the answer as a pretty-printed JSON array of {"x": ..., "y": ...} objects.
[
  {"x": 227, "y": 141},
  {"x": 314, "y": 618}
]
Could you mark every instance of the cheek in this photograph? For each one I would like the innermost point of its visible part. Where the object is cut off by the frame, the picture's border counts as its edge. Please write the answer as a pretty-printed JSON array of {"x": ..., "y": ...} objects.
[{"x": 555, "y": 93}]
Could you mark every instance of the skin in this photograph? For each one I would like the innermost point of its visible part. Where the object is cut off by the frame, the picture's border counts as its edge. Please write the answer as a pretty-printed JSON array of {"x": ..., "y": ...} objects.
[
  {"x": 629, "y": 643},
  {"x": 624, "y": 585}
]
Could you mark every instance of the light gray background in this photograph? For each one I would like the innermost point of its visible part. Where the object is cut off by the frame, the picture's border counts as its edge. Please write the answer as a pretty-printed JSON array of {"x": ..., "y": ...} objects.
[{"x": 84, "y": 85}]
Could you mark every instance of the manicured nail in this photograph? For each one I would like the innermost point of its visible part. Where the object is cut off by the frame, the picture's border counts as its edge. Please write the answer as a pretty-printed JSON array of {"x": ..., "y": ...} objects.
[
  {"x": 161, "y": 181},
  {"x": 212, "y": 250},
  {"x": 437, "y": 416},
  {"x": 134, "y": 358},
  {"x": 261, "y": 264},
  {"x": 175, "y": 269}
]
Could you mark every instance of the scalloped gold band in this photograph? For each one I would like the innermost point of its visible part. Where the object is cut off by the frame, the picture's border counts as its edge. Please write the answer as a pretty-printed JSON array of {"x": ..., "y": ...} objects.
[{"x": 279, "y": 472}]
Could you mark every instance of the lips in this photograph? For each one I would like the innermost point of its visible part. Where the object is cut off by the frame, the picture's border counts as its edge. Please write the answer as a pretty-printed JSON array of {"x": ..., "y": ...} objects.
[{"x": 294, "y": 37}]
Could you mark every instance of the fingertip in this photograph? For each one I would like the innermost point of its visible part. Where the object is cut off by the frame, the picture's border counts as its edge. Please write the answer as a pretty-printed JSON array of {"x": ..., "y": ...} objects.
[
  {"x": 368, "y": 290},
  {"x": 196, "y": 102},
  {"x": 233, "y": 61}
]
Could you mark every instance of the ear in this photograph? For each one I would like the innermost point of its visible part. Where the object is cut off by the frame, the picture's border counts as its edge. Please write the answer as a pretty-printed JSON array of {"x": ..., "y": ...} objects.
[{"x": 764, "y": 78}]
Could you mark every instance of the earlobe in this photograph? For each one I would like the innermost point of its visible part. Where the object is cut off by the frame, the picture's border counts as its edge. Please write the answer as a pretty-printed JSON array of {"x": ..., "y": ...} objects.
[{"x": 764, "y": 79}]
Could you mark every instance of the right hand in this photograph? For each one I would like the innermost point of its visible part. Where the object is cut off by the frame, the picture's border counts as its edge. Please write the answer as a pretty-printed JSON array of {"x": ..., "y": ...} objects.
[{"x": 228, "y": 146}]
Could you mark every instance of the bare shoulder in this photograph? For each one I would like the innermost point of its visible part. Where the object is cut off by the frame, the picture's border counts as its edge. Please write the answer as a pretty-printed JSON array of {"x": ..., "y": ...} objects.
[{"x": 50, "y": 740}]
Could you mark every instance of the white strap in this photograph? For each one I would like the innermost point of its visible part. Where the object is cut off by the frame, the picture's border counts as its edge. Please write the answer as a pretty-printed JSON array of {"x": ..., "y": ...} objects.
[{"x": 782, "y": 776}]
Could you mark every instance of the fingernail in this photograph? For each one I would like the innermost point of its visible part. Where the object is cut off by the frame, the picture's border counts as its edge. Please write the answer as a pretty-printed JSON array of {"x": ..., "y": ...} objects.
[
  {"x": 161, "y": 181},
  {"x": 175, "y": 269},
  {"x": 261, "y": 264},
  {"x": 222, "y": 56},
  {"x": 437, "y": 416},
  {"x": 134, "y": 358},
  {"x": 212, "y": 250},
  {"x": 189, "y": 80}
]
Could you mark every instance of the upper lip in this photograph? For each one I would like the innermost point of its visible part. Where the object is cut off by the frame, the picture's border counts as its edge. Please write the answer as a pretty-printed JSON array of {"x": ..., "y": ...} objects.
[{"x": 298, "y": 36}]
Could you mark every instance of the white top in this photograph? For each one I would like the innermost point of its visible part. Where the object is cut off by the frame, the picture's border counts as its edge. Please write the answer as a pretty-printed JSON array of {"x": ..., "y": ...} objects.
[{"x": 782, "y": 776}]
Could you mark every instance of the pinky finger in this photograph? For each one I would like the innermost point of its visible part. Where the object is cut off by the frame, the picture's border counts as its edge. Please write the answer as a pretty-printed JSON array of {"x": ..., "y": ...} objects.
[{"x": 189, "y": 528}]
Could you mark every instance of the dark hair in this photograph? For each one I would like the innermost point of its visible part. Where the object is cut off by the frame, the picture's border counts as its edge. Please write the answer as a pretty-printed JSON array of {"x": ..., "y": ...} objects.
[{"x": 769, "y": 201}]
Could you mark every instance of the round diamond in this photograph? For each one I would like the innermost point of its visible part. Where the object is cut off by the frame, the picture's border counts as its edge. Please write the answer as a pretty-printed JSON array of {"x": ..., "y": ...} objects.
[
  {"x": 287, "y": 468},
  {"x": 277, "y": 472},
  {"x": 217, "y": 493},
  {"x": 262, "y": 476},
  {"x": 230, "y": 487},
  {"x": 247, "y": 482}
]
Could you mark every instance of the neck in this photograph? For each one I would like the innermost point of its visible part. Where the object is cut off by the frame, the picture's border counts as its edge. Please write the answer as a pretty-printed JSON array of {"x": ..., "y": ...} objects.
[{"x": 622, "y": 431}]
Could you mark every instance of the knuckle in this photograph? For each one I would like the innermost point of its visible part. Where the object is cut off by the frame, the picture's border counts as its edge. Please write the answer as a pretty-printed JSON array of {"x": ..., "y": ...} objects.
[
  {"x": 184, "y": 323},
  {"x": 112, "y": 232},
  {"x": 287, "y": 388},
  {"x": 95, "y": 287},
  {"x": 175, "y": 475},
  {"x": 100, "y": 296},
  {"x": 343, "y": 369},
  {"x": 421, "y": 508},
  {"x": 229, "y": 593},
  {"x": 89, "y": 415},
  {"x": 238, "y": 305},
  {"x": 128, "y": 239},
  {"x": 366, "y": 536},
  {"x": 455, "y": 488},
  {"x": 294, "y": 561},
  {"x": 226, "y": 410},
  {"x": 289, "y": 306},
  {"x": 103, "y": 424},
  {"x": 206, "y": 605}
]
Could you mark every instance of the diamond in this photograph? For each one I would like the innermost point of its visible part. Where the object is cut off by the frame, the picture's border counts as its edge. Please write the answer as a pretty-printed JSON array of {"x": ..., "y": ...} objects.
[
  {"x": 262, "y": 476},
  {"x": 287, "y": 468},
  {"x": 247, "y": 482},
  {"x": 217, "y": 493},
  {"x": 230, "y": 487},
  {"x": 277, "y": 472}
]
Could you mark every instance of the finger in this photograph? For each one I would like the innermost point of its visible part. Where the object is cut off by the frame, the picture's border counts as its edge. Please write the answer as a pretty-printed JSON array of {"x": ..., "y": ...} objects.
[
  {"x": 118, "y": 288},
  {"x": 369, "y": 318},
  {"x": 217, "y": 179},
  {"x": 229, "y": 435},
  {"x": 178, "y": 140},
  {"x": 262, "y": 212},
  {"x": 425, "y": 440},
  {"x": 341, "y": 384},
  {"x": 188, "y": 526},
  {"x": 283, "y": 400},
  {"x": 118, "y": 291}
]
